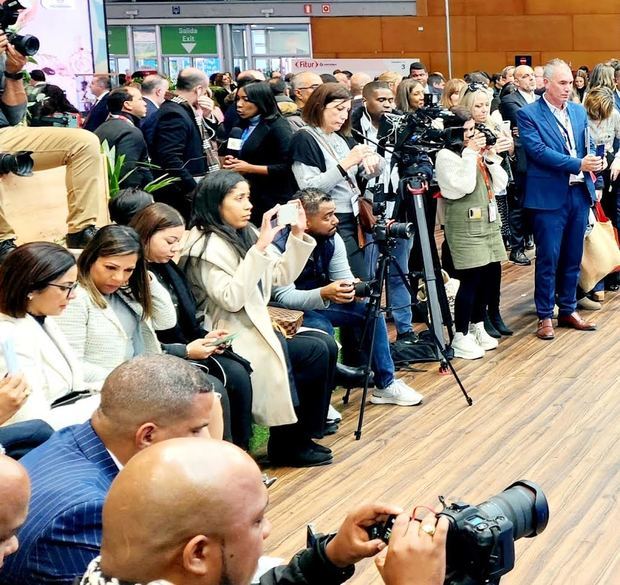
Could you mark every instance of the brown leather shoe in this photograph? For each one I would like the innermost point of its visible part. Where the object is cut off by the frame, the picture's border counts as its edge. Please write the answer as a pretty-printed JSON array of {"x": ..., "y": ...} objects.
[
  {"x": 545, "y": 329},
  {"x": 574, "y": 321}
]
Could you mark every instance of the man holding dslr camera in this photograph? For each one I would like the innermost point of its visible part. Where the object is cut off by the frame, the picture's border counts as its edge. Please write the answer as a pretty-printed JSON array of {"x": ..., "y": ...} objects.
[
  {"x": 326, "y": 291},
  {"x": 50, "y": 147}
]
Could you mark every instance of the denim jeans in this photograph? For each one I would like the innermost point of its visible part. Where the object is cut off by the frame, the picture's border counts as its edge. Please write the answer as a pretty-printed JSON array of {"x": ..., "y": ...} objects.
[
  {"x": 400, "y": 298},
  {"x": 354, "y": 315}
]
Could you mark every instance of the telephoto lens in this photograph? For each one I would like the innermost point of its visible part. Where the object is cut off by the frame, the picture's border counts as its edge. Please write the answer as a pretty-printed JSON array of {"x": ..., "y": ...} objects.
[
  {"x": 19, "y": 163},
  {"x": 27, "y": 45}
]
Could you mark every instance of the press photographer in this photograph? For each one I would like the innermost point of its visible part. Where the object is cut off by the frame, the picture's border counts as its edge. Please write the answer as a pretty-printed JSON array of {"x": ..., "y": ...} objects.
[
  {"x": 325, "y": 290},
  {"x": 50, "y": 148}
]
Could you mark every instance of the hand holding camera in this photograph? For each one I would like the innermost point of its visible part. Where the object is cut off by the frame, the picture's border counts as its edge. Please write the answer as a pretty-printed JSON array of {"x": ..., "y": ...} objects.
[
  {"x": 339, "y": 291},
  {"x": 477, "y": 142}
]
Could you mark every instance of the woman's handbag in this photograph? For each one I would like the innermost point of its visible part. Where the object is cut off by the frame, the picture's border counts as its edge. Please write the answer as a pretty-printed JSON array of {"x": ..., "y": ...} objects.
[
  {"x": 601, "y": 255},
  {"x": 367, "y": 218},
  {"x": 287, "y": 321}
]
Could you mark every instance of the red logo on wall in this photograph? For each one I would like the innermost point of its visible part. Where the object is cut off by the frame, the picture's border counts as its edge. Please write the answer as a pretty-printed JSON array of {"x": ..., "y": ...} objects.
[
  {"x": 326, "y": 8},
  {"x": 307, "y": 8}
]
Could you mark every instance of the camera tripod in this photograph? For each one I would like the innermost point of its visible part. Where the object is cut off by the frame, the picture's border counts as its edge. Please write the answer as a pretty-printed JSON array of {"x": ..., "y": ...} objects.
[{"x": 416, "y": 188}]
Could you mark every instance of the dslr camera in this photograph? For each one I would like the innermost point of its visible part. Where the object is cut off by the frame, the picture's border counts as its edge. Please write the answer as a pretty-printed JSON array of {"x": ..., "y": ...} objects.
[
  {"x": 480, "y": 547},
  {"x": 27, "y": 45},
  {"x": 488, "y": 135}
]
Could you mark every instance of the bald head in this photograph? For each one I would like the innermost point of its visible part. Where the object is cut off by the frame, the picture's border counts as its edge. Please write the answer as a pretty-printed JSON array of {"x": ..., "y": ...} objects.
[
  {"x": 178, "y": 500},
  {"x": 250, "y": 75},
  {"x": 14, "y": 499},
  {"x": 190, "y": 78},
  {"x": 358, "y": 81},
  {"x": 302, "y": 86},
  {"x": 524, "y": 78}
]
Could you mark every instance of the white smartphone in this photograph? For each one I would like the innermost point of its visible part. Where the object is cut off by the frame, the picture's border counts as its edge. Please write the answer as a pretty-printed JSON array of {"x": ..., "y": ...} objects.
[
  {"x": 287, "y": 214},
  {"x": 506, "y": 126},
  {"x": 10, "y": 356}
]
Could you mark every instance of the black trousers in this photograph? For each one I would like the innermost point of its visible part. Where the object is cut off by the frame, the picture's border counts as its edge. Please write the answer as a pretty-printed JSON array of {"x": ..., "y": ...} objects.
[
  {"x": 312, "y": 358},
  {"x": 479, "y": 288},
  {"x": 347, "y": 228}
]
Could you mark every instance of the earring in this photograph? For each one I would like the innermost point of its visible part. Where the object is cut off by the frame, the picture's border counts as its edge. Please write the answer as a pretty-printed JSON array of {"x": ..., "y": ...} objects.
[{"x": 29, "y": 296}]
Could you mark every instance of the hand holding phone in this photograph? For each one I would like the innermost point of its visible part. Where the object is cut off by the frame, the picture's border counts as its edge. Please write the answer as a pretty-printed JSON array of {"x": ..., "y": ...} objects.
[
  {"x": 220, "y": 341},
  {"x": 288, "y": 214}
]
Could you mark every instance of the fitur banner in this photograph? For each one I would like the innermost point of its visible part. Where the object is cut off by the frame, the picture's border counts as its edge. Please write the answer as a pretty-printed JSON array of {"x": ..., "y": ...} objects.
[{"x": 373, "y": 67}]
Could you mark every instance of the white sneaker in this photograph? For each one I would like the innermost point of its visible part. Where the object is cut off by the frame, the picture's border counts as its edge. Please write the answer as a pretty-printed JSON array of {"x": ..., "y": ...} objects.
[
  {"x": 333, "y": 414},
  {"x": 465, "y": 346},
  {"x": 483, "y": 339},
  {"x": 396, "y": 393}
]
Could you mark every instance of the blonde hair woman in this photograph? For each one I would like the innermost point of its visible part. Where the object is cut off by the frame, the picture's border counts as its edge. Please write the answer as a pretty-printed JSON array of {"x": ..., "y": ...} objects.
[{"x": 451, "y": 93}]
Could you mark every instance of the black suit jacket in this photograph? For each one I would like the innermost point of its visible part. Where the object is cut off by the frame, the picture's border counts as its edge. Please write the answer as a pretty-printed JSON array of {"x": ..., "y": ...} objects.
[
  {"x": 98, "y": 114},
  {"x": 148, "y": 122},
  {"x": 129, "y": 141},
  {"x": 508, "y": 108},
  {"x": 269, "y": 145}
]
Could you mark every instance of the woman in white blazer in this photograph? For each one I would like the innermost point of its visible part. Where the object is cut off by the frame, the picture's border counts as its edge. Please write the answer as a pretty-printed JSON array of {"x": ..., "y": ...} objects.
[
  {"x": 37, "y": 281},
  {"x": 232, "y": 270},
  {"x": 117, "y": 304}
]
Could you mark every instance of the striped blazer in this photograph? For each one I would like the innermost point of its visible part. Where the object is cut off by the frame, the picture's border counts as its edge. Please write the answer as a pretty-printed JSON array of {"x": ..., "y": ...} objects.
[{"x": 71, "y": 474}]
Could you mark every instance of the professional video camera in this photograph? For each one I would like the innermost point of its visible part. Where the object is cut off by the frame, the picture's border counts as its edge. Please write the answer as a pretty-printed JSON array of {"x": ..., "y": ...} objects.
[
  {"x": 20, "y": 163},
  {"x": 27, "y": 45},
  {"x": 480, "y": 547}
]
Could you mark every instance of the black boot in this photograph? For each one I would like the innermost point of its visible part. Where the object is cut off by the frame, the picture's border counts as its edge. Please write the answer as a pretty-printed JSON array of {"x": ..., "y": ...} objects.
[
  {"x": 80, "y": 239},
  {"x": 6, "y": 247},
  {"x": 490, "y": 328},
  {"x": 498, "y": 323},
  {"x": 349, "y": 377}
]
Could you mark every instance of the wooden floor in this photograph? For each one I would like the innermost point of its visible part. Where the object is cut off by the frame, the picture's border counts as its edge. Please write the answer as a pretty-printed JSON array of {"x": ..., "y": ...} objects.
[{"x": 548, "y": 411}]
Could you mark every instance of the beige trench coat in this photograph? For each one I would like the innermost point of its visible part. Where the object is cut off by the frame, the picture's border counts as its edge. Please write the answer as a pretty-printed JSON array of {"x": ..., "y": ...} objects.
[{"x": 234, "y": 301}]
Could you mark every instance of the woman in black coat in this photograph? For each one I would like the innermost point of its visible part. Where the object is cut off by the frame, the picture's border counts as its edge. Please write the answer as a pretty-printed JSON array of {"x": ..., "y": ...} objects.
[
  {"x": 161, "y": 229},
  {"x": 262, "y": 156}
]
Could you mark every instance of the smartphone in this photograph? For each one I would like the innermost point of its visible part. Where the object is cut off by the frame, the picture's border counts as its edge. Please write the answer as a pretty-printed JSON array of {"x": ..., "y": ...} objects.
[
  {"x": 600, "y": 150},
  {"x": 10, "y": 355},
  {"x": 506, "y": 126},
  {"x": 223, "y": 340},
  {"x": 287, "y": 214}
]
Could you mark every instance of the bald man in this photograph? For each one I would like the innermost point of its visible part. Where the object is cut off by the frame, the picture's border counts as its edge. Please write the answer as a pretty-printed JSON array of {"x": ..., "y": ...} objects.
[
  {"x": 192, "y": 512},
  {"x": 14, "y": 498},
  {"x": 143, "y": 401},
  {"x": 358, "y": 81}
]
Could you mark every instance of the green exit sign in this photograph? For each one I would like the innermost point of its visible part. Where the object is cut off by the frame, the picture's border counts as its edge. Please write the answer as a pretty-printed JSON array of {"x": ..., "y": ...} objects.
[{"x": 188, "y": 40}]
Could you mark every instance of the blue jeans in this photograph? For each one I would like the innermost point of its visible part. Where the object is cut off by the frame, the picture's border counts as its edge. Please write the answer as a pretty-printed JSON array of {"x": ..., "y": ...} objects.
[
  {"x": 400, "y": 299},
  {"x": 354, "y": 315}
]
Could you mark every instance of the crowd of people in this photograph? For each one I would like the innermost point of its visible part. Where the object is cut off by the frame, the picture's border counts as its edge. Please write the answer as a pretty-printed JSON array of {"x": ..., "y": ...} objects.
[{"x": 163, "y": 328}]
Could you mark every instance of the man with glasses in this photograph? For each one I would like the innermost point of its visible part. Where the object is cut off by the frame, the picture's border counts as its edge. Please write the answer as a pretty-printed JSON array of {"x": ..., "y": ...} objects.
[
  {"x": 121, "y": 130},
  {"x": 525, "y": 83},
  {"x": 558, "y": 194}
]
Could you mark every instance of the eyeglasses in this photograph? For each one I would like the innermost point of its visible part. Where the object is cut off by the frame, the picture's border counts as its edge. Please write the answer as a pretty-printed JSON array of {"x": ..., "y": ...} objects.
[{"x": 68, "y": 288}]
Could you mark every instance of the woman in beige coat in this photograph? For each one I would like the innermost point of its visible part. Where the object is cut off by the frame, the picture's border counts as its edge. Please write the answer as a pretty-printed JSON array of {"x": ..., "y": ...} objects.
[{"x": 232, "y": 270}]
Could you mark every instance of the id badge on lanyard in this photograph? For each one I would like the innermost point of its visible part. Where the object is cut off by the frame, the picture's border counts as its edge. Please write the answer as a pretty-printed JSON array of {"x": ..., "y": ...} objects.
[{"x": 492, "y": 211}]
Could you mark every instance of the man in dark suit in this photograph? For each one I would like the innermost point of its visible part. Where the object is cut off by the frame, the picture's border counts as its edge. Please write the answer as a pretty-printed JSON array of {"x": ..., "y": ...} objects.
[
  {"x": 100, "y": 86},
  {"x": 121, "y": 130},
  {"x": 617, "y": 92},
  {"x": 511, "y": 103},
  {"x": 153, "y": 88},
  {"x": 14, "y": 499},
  {"x": 558, "y": 192},
  {"x": 180, "y": 140},
  {"x": 143, "y": 401}
]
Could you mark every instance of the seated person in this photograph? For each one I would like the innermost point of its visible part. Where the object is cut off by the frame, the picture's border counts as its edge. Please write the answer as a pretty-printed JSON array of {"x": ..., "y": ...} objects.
[
  {"x": 127, "y": 203},
  {"x": 14, "y": 499},
  {"x": 324, "y": 291},
  {"x": 200, "y": 510},
  {"x": 161, "y": 229},
  {"x": 143, "y": 401},
  {"x": 117, "y": 304},
  {"x": 37, "y": 281},
  {"x": 231, "y": 268}
]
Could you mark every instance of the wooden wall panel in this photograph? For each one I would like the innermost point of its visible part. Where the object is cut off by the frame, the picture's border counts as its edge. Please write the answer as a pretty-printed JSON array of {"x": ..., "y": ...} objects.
[
  {"x": 572, "y": 7},
  {"x": 506, "y": 33},
  {"x": 402, "y": 34},
  {"x": 331, "y": 35},
  {"x": 463, "y": 62},
  {"x": 597, "y": 32},
  {"x": 476, "y": 7},
  {"x": 578, "y": 58}
]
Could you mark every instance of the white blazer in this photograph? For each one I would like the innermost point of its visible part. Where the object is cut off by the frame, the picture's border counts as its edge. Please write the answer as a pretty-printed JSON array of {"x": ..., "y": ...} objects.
[
  {"x": 47, "y": 361},
  {"x": 98, "y": 337}
]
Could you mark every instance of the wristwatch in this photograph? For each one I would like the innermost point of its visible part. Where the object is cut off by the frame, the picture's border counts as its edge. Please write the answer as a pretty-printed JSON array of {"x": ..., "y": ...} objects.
[{"x": 17, "y": 76}]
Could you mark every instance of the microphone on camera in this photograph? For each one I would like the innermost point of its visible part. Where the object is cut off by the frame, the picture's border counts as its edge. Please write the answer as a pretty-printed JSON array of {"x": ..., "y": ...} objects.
[{"x": 234, "y": 144}]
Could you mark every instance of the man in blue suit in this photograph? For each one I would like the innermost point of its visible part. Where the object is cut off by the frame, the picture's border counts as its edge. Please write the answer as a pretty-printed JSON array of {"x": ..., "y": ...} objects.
[
  {"x": 100, "y": 86},
  {"x": 558, "y": 194},
  {"x": 143, "y": 401},
  {"x": 154, "y": 89}
]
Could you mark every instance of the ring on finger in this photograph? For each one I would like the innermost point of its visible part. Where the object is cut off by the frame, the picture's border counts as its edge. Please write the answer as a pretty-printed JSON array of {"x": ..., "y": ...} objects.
[{"x": 429, "y": 529}]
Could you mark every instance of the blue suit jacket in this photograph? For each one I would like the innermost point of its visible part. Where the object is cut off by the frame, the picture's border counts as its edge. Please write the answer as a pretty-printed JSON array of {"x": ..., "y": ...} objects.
[
  {"x": 71, "y": 475},
  {"x": 549, "y": 164},
  {"x": 97, "y": 115},
  {"x": 149, "y": 121}
]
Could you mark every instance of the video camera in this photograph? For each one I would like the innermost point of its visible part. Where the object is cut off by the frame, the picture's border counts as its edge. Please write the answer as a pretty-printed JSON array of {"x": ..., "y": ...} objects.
[
  {"x": 480, "y": 547},
  {"x": 27, "y": 45},
  {"x": 20, "y": 163}
]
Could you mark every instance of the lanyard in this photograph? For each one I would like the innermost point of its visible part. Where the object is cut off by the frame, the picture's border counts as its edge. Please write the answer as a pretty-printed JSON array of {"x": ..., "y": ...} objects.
[
  {"x": 486, "y": 177},
  {"x": 566, "y": 133}
]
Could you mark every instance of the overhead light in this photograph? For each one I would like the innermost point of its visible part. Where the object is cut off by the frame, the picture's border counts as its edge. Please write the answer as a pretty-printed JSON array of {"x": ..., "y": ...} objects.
[{"x": 132, "y": 12}]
